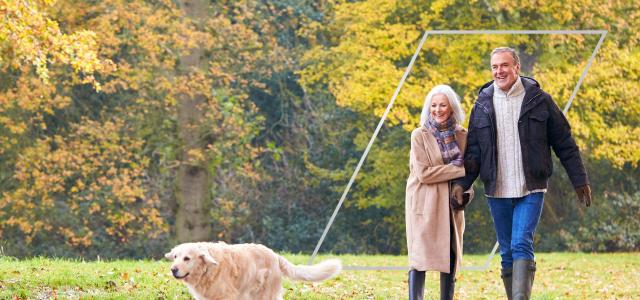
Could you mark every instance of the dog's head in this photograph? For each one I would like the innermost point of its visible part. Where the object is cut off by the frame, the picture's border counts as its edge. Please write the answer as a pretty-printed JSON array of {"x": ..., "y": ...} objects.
[{"x": 190, "y": 260}]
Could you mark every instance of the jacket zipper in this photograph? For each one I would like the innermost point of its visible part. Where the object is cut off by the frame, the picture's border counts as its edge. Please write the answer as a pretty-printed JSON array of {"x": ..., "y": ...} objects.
[
  {"x": 536, "y": 96},
  {"x": 494, "y": 143},
  {"x": 520, "y": 121}
]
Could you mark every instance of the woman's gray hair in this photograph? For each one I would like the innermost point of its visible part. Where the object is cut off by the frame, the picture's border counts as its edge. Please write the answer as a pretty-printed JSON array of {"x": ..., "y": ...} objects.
[{"x": 454, "y": 102}]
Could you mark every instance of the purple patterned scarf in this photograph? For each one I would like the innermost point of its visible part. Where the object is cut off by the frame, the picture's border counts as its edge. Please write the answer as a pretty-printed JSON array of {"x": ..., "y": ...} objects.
[{"x": 445, "y": 134}]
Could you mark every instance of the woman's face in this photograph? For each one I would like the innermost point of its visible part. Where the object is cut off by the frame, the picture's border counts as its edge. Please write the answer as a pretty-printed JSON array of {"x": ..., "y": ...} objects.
[{"x": 440, "y": 109}]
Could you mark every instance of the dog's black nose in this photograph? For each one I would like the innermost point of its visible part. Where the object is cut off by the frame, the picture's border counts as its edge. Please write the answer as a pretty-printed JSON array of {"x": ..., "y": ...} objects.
[{"x": 174, "y": 270}]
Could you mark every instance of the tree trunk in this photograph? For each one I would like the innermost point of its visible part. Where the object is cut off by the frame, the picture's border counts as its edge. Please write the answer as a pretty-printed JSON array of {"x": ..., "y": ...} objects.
[
  {"x": 193, "y": 199},
  {"x": 528, "y": 60}
]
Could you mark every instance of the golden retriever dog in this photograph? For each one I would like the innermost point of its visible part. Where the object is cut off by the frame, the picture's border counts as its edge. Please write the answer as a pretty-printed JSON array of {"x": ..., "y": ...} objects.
[{"x": 244, "y": 271}]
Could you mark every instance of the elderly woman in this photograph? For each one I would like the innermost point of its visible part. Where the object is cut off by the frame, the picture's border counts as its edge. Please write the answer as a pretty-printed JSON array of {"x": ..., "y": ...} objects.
[{"x": 435, "y": 223}]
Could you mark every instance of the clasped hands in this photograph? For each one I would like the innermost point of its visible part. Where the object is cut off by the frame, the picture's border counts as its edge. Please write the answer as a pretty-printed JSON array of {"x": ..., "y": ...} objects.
[{"x": 457, "y": 199}]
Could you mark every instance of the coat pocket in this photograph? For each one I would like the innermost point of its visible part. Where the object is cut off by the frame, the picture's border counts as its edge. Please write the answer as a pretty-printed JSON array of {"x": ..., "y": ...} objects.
[
  {"x": 417, "y": 204},
  {"x": 538, "y": 126}
]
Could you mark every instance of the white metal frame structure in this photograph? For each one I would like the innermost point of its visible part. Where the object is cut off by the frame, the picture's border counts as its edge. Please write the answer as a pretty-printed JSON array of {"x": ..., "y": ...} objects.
[{"x": 484, "y": 267}]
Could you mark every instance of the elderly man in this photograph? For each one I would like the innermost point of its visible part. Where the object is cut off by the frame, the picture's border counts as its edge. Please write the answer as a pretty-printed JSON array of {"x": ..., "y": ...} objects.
[{"x": 513, "y": 126}]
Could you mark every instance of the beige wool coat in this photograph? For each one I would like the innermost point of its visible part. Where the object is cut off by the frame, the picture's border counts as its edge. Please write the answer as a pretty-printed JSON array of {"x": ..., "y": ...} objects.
[{"x": 427, "y": 211}]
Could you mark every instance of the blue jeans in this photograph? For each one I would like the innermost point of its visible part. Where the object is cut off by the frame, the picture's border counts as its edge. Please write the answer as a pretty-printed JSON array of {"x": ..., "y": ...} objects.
[{"x": 515, "y": 221}]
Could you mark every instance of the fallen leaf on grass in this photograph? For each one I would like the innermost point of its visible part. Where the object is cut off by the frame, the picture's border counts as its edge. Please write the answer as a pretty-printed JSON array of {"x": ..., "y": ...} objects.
[{"x": 110, "y": 285}]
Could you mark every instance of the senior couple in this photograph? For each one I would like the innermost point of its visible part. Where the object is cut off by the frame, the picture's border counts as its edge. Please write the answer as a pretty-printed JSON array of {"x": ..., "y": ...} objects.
[{"x": 513, "y": 126}]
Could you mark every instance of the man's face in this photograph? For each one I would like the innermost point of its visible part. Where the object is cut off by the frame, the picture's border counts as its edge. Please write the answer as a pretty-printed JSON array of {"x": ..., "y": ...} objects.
[{"x": 504, "y": 69}]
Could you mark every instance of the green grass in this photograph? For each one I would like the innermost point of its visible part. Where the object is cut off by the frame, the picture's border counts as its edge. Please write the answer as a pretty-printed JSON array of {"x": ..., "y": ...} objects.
[{"x": 559, "y": 276}]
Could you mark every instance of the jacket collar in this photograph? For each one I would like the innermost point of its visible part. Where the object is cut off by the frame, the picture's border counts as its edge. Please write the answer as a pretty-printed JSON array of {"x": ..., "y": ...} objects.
[
  {"x": 531, "y": 89},
  {"x": 531, "y": 99}
]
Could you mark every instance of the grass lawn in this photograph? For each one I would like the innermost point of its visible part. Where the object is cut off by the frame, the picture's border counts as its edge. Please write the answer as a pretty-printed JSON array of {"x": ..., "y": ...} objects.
[{"x": 559, "y": 276}]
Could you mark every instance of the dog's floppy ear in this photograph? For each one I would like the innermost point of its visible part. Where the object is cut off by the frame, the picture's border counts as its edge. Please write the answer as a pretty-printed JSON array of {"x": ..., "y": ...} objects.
[
  {"x": 169, "y": 255},
  {"x": 206, "y": 256}
]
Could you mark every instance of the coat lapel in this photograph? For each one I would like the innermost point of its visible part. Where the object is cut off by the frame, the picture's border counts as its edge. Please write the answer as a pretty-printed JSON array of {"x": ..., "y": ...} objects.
[
  {"x": 433, "y": 150},
  {"x": 461, "y": 138}
]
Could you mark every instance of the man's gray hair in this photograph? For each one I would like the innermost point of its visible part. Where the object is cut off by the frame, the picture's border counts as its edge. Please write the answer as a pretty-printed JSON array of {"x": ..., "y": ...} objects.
[{"x": 515, "y": 56}]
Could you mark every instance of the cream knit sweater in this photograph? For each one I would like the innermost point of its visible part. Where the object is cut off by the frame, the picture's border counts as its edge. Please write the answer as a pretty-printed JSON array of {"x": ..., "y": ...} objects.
[{"x": 510, "y": 180}]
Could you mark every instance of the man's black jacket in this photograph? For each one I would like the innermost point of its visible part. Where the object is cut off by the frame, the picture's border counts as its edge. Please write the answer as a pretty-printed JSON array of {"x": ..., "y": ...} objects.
[{"x": 541, "y": 126}]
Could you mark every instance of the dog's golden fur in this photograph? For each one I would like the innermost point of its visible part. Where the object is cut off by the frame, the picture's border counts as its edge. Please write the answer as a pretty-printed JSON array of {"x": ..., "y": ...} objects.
[{"x": 245, "y": 271}]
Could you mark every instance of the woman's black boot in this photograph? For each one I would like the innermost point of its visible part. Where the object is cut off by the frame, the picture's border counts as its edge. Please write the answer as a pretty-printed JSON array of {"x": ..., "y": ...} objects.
[
  {"x": 447, "y": 286},
  {"x": 416, "y": 285}
]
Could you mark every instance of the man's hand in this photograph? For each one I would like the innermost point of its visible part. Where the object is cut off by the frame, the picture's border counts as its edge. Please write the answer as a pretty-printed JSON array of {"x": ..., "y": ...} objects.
[
  {"x": 455, "y": 199},
  {"x": 584, "y": 194}
]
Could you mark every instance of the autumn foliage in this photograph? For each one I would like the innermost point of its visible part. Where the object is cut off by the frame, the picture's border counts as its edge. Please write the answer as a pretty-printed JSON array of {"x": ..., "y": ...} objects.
[
  {"x": 128, "y": 125},
  {"x": 85, "y": 186}
]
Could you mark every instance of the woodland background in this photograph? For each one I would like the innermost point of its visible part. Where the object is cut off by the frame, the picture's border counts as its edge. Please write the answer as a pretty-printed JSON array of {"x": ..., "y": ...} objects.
[{"x": 129, "y": 126}]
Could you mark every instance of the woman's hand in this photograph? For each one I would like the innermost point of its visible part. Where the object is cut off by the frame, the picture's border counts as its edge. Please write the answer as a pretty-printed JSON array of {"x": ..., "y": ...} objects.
[{"x": 457, "y": 198}]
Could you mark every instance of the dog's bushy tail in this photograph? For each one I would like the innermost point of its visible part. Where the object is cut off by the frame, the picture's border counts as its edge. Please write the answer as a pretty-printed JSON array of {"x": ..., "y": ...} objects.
[{"x": 318, "y": 272}]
